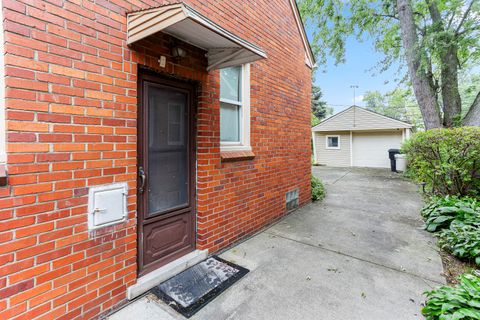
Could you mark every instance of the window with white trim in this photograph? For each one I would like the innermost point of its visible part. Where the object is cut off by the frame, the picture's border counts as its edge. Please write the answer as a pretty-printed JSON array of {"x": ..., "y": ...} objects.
[
  {"x": 235, "y": 108},
  {"x": 332, "y": 142}
]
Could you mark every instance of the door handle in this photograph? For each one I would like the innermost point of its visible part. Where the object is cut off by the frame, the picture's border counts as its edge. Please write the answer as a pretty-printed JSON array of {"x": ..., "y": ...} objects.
[{"x": 143, "y": 178}]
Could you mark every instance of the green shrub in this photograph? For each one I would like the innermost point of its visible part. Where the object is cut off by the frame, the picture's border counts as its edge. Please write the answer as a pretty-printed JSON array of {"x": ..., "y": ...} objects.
[
  {"x": 318, "y": 190},
  {"x": 458, "y": 220},
  {"x": 459, "y": 302},
  {"x": 462, "y": 240},
  {"x": 447, "y": 160},
  {"x": 439, "y": 212}
]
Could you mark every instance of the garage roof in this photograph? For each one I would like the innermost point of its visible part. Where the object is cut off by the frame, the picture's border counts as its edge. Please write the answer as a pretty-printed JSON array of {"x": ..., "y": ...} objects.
[
  {"x": 181, "y": 21},
  {"x": 357, "y": 118}
]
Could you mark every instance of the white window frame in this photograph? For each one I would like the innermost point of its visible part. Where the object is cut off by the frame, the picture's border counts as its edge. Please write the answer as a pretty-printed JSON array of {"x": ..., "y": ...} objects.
[
  {"x": 244, "y": 104},
  {"x": 332, "y": 136}
]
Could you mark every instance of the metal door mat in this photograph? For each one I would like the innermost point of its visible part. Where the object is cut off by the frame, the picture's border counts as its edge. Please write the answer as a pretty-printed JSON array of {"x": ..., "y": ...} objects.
[{"x": 195, "y": 287}]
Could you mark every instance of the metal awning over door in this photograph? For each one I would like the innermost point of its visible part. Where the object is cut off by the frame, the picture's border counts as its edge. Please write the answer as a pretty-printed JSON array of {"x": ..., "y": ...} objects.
[{"x": 224, "y": 49}]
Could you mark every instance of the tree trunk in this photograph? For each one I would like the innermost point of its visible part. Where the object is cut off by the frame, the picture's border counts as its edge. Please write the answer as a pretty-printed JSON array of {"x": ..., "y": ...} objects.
[
  {"x": 424, "y": 93},
  {"x": 452, "y": 103},
  {"x": 472, "y": 118}
]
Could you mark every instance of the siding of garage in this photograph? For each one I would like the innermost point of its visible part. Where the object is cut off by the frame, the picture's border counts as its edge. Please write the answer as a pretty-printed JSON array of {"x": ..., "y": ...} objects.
[{"x": 333, "y": 157}]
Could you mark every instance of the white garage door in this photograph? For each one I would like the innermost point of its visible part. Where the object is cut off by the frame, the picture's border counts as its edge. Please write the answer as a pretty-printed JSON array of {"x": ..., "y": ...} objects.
[{"x": 371, "y": 149}]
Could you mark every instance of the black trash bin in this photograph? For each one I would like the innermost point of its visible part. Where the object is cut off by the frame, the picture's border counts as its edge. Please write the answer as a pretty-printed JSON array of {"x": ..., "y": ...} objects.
[{"x": 391, "y": 155}]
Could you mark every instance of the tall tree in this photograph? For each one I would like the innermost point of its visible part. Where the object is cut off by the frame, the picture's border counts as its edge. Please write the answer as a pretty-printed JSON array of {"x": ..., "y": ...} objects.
[
  {"x": 398, "y": 104},
  {"x": 319, "y": 106},
  {"x": 375, "y": 101},
  {"x": 435, "y": 38}
]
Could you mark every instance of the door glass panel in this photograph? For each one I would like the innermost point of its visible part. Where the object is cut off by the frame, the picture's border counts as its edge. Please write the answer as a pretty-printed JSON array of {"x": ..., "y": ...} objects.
[{"x": 167, "y": 149}]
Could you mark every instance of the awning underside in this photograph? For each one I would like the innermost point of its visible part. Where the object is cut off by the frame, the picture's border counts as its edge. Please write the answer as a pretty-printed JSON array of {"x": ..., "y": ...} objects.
[{"x": 224, "y": 49}]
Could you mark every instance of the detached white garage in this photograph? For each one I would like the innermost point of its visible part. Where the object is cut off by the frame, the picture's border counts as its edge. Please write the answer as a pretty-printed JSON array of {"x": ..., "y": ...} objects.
[{"x": 357, "y": 137}]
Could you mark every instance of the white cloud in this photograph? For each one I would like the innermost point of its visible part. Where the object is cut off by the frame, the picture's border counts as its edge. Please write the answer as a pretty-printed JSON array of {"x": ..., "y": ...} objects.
[{"x": 358, "y": 99}]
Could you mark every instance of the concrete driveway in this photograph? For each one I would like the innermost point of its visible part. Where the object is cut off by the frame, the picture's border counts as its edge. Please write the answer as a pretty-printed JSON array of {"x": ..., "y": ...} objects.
[{"x": 360, "y": 254}]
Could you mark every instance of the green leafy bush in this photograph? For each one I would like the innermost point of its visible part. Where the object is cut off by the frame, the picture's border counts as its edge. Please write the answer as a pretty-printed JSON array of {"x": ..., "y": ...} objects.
[
  {"x": 462, "y": 240},
  {"x": 447, "y": 160},
  {"x": 439, "y": 212},
  {"x": 318, "y": 190},
  {"x": 458, "y": 221},
  {"x": 459, "y": 302}
]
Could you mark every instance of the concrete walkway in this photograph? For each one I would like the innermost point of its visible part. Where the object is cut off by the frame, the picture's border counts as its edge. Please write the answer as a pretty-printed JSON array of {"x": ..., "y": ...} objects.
[{"x": 360, "y": 254}]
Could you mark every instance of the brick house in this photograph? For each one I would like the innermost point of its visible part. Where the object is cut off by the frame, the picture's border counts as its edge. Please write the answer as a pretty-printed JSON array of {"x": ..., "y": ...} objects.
[{"x": 141, "y": 136}]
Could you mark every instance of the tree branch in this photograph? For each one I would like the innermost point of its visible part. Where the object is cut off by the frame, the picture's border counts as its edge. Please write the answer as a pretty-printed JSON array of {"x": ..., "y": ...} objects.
[
  {"x": 434, "y": 13},
  {"x": 464, "y": 17},
  {"x": 468, "y": 30},
  {"x": 419, "y": 14},
  {"x": 385, "y": 16},
  {"x": 449, "y": 25}
]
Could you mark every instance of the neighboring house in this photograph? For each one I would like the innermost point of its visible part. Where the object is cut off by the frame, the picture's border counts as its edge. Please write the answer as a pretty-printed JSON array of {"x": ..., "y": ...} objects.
[
  {"x": 356, "y": 137},
  {"x": 140, "y": 135}
]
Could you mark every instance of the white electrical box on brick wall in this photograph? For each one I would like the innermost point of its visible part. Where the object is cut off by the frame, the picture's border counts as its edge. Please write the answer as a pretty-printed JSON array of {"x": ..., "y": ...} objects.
[{"x": 107, "y": 205}]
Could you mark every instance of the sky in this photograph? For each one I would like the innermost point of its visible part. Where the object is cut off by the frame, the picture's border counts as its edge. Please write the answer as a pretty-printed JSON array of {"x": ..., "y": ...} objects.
[{"x": 335, "y": 83}]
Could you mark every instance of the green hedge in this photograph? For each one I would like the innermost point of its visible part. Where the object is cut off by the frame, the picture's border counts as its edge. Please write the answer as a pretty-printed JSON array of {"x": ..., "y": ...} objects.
[{"x": 447, "y": 160}]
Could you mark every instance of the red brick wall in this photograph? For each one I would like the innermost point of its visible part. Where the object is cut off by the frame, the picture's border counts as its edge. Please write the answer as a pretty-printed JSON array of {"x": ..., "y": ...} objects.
[{"x": 71, "y": 124}]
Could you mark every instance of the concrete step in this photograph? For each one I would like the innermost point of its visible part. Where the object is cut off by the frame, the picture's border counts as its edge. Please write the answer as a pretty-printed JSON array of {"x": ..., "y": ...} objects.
[{"x": 169, "y": 270}]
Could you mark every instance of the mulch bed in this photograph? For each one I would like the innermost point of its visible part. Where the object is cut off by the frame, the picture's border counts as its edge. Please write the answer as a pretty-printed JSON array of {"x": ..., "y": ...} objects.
[{"x": 453, "y": 267}]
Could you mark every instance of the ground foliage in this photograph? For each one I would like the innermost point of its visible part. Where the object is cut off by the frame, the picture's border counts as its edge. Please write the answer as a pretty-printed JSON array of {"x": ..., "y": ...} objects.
[
  {"x": 454, "y": 303},
  {"x": 318, "y": 189},
  {"x": 456, "y": 221}
]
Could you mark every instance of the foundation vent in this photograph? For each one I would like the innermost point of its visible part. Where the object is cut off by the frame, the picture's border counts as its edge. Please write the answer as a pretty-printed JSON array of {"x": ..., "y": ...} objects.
[{"x": 291, "y": 198}]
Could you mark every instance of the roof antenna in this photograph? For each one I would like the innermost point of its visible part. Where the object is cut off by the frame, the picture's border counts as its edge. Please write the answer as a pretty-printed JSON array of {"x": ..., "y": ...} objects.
[{"x": 354, "y": 86}]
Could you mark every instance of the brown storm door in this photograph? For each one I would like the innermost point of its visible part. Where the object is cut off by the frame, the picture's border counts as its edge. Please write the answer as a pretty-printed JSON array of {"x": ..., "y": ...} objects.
[{"x": 166, "y": 165}]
